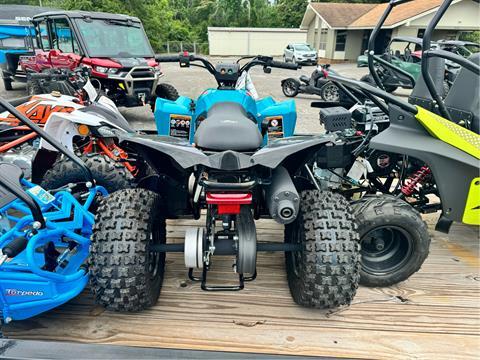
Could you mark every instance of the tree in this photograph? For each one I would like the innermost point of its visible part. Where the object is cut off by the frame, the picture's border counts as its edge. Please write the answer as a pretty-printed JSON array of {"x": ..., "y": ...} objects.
[{"x": 290, "y": 12}]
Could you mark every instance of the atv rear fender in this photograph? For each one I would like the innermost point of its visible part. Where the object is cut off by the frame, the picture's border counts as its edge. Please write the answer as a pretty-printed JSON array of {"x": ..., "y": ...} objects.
[
  {"x": 292, "y": 150},
  {"x": 453, "y": 169}
]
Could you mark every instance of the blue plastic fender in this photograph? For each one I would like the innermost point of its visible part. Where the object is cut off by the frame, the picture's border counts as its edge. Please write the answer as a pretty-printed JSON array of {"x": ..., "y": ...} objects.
[{"x": 181, "y": 118}]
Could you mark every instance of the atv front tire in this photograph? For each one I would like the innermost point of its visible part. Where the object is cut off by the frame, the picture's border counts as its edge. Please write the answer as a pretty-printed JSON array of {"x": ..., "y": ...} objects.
[
  {"x": 108, "y": 173},
  {"x": 394, "y": 239},
  {"x": 326, "y": 273},
  {"x": 166, "y": 91},
  {"x": 125, "y": 275}
]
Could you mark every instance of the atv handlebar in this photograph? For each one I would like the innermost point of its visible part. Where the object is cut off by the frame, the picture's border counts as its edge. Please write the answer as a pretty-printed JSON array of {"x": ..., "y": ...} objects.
[
  {"x": 167, "y": 58},
  {"x": 284, "y": 65},
  {"x": 265, "y": 61}
]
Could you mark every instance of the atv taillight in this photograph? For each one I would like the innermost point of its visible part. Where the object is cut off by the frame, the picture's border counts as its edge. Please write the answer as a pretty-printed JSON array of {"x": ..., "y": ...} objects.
[{"x": 229, "y": 203}]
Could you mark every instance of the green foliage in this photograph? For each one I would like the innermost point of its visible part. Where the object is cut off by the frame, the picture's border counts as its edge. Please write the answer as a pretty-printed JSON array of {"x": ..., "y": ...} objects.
[
  {"x": 473, "y": 36},
  {"x": 187, "y": 20}
]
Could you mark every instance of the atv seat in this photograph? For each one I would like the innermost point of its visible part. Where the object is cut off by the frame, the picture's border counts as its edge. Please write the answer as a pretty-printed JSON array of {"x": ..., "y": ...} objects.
[
  {"x": 464, "y": 94},
  {"x": 12, "y": 175},
  {"x": 305, "y": 78},
  {"x": 462, "y": 100},
  {"x": 227, "y": 127}
]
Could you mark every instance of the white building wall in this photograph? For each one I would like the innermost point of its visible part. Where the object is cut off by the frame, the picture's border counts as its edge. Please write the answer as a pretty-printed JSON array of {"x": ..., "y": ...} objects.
[
  {"x": 463, "y": 15},
  {"x": 252, "y": 41}
]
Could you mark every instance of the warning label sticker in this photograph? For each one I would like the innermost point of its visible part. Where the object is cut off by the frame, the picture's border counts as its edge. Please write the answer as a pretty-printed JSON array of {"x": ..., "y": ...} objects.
[
  {"x": 275, "y": 127},
  {"x": 180, "y": 126}
]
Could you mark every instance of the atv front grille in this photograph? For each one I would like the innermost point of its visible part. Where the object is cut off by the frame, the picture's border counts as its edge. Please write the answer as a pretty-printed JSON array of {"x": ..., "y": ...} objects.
[{"x": 142, "y": 73}]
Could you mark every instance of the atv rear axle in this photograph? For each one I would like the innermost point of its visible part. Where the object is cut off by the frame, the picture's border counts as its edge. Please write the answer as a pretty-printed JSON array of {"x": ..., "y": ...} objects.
[{"x": 226, "y": 247}]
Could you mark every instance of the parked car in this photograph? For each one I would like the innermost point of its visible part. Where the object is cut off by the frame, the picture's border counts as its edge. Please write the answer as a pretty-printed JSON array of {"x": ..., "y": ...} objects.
[
  {"x": 114, "y": 46},
  {"x": 300, "y": 53}
]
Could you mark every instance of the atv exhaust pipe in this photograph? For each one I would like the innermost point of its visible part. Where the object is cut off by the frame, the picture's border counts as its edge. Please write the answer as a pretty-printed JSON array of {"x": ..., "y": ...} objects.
[{"x": 281, "y": 197}]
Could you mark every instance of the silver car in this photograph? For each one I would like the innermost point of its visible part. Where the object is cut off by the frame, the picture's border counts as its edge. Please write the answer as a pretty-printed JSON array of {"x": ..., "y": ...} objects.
[{"x": 300, "y": 54}]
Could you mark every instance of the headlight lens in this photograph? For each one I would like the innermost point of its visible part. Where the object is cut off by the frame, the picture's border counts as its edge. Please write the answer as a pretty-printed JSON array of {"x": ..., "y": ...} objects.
[
  {"x": 101, "y": 69},
  {"x": 112, "y": 70},
  {"x": 105, "y": 131}
]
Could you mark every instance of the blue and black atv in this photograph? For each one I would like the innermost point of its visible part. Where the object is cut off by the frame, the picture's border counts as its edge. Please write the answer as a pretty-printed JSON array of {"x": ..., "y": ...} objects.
[
  {"x": 235, "y": 94},
  {"x": 44, "y": 237},
  {"x": 230, "y": 159}
]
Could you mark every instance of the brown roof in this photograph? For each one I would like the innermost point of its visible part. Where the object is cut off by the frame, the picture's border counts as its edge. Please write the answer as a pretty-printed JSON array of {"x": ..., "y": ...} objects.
[
  {"x": 341, "y": 14},
  {"x": 399, "y": 13},
  {"x": 367, "y": 15}
]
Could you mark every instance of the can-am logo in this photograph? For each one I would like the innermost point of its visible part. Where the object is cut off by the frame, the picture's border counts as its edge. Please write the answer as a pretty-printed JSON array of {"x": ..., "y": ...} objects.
[{"x": 15, "y": 292}]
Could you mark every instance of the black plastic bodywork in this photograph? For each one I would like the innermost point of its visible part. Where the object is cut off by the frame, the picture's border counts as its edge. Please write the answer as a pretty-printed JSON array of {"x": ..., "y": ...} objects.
[
  {"x": 452, "y": 168},
  {"x": 173, "y": 161}
]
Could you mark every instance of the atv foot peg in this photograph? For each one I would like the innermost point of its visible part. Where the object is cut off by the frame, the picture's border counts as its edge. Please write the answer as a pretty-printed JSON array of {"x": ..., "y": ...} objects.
[{"x": 241, "y": 281}]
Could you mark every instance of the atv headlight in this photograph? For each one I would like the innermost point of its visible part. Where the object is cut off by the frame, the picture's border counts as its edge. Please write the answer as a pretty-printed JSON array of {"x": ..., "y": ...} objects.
[
  {"x": 101, "y": 69},
  {"x": 105, "y": 131}
]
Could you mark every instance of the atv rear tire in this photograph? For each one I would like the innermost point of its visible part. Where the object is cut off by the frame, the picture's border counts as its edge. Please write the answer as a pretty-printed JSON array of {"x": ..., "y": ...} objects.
[
  {"x": 125, "y": 275},
  {"x": 108, "y": 173},
  {"x": 326, "y": 273},
  {"x": 290, "y": 87},
  {"x": 394, "y": 239},
  {"x": 7, "y": 83},
  {"x": 166, "y": 91}
]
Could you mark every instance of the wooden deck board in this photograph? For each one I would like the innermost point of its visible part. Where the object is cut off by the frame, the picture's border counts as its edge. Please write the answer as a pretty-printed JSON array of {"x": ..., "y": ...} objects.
[{"x": 435, "y": 314}]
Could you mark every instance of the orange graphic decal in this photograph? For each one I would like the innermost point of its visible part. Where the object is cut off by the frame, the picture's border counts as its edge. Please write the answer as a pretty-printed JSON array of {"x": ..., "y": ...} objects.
[{"x": 37, "y": 112}]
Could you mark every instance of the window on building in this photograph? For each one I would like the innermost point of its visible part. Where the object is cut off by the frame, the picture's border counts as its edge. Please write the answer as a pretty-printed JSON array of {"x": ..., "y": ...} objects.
[
  {"x": 63, "y": 38},
  {"x": 323, "y": 39},
  {"x": 341, "y": 40}
]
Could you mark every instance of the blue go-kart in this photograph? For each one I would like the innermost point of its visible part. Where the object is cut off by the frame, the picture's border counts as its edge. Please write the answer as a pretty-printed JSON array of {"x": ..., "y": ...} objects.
[
  {"x": 235, "y": 94},
  {"x": 44, "y": 238}
]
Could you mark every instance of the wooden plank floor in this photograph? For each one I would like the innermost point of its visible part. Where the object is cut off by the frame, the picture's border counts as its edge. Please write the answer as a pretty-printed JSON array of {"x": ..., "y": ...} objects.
[{"x": 433, "y": 315}]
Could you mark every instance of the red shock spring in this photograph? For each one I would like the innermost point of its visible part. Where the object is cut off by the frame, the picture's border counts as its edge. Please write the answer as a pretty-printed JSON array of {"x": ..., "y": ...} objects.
[{"x": 411, "y": 183}]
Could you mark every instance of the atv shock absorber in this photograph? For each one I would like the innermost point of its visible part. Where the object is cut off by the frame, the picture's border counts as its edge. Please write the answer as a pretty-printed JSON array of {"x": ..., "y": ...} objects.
[{"x": 410, "y": 185}]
